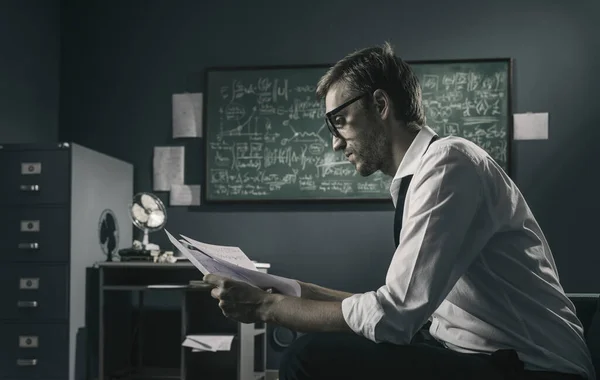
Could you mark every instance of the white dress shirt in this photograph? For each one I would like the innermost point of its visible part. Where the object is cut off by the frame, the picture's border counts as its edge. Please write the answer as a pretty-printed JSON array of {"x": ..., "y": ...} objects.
[{"x": 473, "y": 260}]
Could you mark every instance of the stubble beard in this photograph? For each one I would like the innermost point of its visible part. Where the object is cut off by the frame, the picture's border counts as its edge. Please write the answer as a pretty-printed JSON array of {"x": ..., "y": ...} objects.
[{"x": 371, "y": 157}]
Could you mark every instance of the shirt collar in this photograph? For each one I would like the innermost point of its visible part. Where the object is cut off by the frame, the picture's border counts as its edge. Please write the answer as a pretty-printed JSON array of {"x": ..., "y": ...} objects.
[{"x": 410, "y": 161}]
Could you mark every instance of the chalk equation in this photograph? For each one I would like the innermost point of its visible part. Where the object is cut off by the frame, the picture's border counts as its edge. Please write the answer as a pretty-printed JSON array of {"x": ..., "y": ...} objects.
[
  {"x": 267, "y": 138},
  {"x": 469, "y": 104}
]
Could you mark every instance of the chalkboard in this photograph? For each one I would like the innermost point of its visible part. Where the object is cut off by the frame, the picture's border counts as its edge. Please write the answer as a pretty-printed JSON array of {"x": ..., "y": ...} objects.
[{"x": 266, "y": 138}]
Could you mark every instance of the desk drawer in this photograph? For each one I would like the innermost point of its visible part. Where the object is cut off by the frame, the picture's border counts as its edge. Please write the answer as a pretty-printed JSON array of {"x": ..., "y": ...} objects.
[
  {"x": 34, "y": 177},
  {"x": 36, "y": 351},
  {"x": 34, "y": 292},
  {"x": 35, "y": 234}
]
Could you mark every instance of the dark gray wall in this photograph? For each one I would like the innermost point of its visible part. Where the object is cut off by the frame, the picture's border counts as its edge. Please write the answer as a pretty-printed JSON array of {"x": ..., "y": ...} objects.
[
  {"x": 29, "y": 70},
  {"x": 121, "y": 61}
]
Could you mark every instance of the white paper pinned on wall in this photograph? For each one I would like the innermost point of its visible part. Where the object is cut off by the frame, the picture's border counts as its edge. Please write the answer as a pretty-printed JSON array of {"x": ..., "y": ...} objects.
[
  {"x": 530, "y": 126},
  {"x": 187, "y": 115},
  {"x": 184, "y": 195},
  {"x": 168, "y": 162}
]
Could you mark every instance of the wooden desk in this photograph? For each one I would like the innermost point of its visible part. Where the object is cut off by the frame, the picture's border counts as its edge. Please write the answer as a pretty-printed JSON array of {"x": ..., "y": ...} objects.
[{"x": 197, "y": 317}]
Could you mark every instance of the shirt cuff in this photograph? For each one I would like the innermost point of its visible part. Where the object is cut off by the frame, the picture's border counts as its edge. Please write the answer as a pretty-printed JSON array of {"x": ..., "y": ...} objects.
[{"x": 362, "y": 312}]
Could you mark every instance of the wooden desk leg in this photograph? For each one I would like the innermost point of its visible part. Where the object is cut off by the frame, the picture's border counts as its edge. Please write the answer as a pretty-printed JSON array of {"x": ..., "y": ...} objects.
[
  {"x": 101, "y": 323},
  {"x": 140, "y": 341},
  {"x": 246, "y": 351},
  {"x": 184, "y": 328}
]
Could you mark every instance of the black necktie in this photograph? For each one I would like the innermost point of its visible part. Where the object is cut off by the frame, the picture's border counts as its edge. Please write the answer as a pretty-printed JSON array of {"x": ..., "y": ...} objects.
[
  {"x": 405, "y": 182},
  {"x": 400, "y": 208}
]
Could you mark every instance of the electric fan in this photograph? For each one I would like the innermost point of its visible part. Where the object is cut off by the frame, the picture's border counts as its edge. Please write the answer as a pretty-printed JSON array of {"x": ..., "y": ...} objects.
[{"x": 147, "y": 213}]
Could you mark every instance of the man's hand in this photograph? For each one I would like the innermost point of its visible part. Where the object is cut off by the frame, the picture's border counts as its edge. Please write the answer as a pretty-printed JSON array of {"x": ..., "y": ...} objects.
[
  {"x": 238, "y": 300},
  {"x": 247, "y": 304}
]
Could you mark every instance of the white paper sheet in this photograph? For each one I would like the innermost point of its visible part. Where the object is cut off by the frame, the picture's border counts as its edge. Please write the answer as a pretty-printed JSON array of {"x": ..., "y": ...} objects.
[
  {"x": 233, "y": 255},
  {"x": 184, "y": 195},
  {"x": 530, "y": 126},
  {"x": 207, "y": 261},
  {"x": 197, "y": 346},
  {"x": 167, "y": 286},
  {"x": 265, "y": 281},
  {"x": 187, "y": 115},
  {"x": 208, "y": 342},
  {"x": 169, "y": 165}
]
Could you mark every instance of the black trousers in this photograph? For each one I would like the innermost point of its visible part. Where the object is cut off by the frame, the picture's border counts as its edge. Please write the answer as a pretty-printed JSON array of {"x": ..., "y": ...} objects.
[{"x": 326, "y": 356}]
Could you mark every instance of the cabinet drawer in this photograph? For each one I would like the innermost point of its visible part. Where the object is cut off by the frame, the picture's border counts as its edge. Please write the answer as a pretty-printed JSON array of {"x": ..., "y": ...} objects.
[
  {"x": 34, "y": 292},
  {"x": 36, "y": 351},
  {"x": 35, "y": 234},
  {"x": 34, "y": 177}
]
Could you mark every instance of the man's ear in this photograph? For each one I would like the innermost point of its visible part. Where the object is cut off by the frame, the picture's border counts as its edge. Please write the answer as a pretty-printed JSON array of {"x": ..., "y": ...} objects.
[{"x": 382, "y": 103}]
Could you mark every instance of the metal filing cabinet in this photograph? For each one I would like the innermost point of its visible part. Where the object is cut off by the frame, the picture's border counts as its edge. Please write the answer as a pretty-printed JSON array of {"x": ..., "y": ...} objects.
[{"x": 63, "y": 208}]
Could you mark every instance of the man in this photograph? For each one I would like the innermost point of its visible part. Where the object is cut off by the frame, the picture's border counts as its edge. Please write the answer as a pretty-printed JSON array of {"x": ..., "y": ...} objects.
[{"x": 470, "y": 258}]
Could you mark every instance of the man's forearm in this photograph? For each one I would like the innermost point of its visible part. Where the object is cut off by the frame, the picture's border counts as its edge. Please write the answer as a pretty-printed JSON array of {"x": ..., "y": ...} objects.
[
  {"x": 303, "y": 315},
  {"x": 319, "y": 293}
]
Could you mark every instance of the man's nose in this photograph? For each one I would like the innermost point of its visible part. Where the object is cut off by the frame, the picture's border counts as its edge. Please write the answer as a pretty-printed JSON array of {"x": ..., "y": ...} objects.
[{"x": 338, "y": 143}]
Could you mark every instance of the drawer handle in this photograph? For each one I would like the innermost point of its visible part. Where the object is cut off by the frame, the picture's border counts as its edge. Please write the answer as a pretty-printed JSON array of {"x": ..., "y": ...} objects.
[
  {"x": 26, "y": 362},
  {"x": 27, "y": 304},
  {"x": 32, "y": 188},
  {"x": 29, "y": 246}
]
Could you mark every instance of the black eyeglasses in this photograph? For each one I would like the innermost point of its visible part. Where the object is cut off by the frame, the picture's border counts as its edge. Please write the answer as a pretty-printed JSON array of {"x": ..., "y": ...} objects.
[{"x": 330, "y": 115}]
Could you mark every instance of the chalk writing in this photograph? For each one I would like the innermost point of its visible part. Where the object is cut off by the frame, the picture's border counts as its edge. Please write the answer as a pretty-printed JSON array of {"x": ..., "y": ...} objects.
[{"x": 470, "y": 102}]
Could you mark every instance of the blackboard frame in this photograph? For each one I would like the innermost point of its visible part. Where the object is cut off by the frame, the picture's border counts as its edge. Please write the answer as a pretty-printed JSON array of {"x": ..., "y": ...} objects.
[{"x": 207, "y": 71}]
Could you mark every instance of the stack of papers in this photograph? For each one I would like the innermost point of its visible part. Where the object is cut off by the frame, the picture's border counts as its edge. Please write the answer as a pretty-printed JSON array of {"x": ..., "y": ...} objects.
[
  {"x": 212, "y": 343},
  {"x": 231, "y": 262}
]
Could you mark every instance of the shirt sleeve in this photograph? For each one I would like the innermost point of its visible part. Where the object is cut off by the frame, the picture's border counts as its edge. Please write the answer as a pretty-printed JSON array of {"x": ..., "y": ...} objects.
[{"x": 441, "y": 206}]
